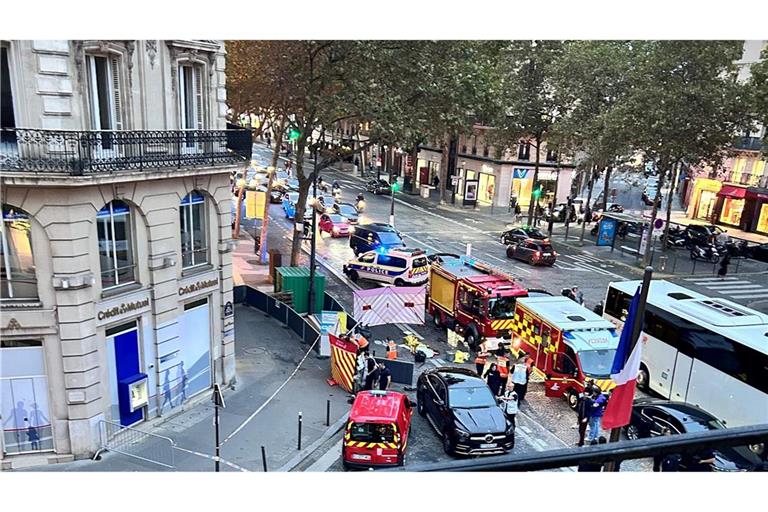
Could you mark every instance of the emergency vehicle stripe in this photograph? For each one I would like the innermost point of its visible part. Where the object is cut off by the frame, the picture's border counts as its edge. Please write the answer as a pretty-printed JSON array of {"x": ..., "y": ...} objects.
[
  {"x": 605, "y": 384},
  {"x": 343, "y": 367}
]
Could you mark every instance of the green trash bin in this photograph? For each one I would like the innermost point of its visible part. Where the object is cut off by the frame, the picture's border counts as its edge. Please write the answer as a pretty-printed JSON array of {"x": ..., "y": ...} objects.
[{"x": 296, "y": 281}]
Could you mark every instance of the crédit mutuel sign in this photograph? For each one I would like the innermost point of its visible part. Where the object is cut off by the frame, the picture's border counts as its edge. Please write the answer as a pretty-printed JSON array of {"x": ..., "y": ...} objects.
[
  {"x": 199, "y": 285},
  {"x": 122, "y": 309}
]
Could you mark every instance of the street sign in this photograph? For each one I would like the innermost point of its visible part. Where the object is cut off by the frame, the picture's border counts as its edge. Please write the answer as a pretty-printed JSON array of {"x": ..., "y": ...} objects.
[
  {"x": 454, "y": 180},
  {"x": 217, "y": 398},
  {"x": 229, "y": 309},
  {"x": 658, "y": 224}
]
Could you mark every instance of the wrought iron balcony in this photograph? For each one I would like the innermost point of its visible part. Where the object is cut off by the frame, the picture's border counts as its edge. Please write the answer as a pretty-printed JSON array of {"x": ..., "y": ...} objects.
[{"x": 90, "y": 152}]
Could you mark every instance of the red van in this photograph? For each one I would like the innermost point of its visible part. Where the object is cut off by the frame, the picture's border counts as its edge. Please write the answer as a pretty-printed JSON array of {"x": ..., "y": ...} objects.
[{"x": 377, "y": 430}]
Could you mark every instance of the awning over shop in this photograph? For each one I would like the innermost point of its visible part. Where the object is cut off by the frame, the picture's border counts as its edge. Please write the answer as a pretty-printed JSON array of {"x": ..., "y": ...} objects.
[
  {"x": 761, "y": 194},
  {"x": 732, "y": 191}
]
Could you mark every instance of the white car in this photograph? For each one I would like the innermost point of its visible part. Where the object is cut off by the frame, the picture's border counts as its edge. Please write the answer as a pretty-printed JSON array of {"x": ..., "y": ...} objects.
[{"x": 400, "y": 267}]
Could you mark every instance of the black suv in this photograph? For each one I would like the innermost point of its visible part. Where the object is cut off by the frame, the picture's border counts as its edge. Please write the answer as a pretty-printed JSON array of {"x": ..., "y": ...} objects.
[
  {"x": 517, "y": 235},
  {"x": 368, "y": 237},
  {"x": 379, "y": 186},
  {"x": 698, "y": 234},
  {"x": 461, "y": 408}
]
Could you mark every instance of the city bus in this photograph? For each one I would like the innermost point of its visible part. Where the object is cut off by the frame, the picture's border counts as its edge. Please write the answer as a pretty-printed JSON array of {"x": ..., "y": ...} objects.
[{"x": 709, "y": 352}]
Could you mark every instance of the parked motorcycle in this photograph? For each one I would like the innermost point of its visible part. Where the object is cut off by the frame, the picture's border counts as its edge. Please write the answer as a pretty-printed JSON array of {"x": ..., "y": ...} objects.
[
  {"x": 736, "y": 250},
  {"x": 705, "y": 253}
]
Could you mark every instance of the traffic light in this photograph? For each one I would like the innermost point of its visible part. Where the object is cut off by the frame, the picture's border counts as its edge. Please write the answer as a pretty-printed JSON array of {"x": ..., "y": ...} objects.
[
  {"x": 293, "y": 134},
  {"x": 395, "y": 187},
  {"x": 536, "y": 192}
]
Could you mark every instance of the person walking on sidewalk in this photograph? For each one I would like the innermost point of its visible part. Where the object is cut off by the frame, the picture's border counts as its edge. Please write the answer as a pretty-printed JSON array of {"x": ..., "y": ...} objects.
[
  {"x": 493, "y": 378},
  {"x": 510, "y": 406},
  {"x": 372, "y": 375},
  {"x": 721, "y": 273},
  {"x": 268, "y": 135},
  {"x": 436, "y": 181},
  {"x": 596, "y": 413},
  {"x": 518, "y": 213}
]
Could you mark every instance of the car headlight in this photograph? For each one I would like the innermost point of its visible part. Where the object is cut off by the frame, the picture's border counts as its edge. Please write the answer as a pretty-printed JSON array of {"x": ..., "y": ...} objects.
[
  {"x": 461, "y": 435},
  {"x": 336, "y": 229}
]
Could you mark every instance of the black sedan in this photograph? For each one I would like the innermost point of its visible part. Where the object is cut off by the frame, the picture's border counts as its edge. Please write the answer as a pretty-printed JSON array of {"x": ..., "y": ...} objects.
[
  {"x": 534, "y": 252},
  {"x": 461, "y": 408},
  {"x": 652, "y": 417},
  {"x": 378, "y": 187},
  {"x": 516, "y": 235},
  {"x": 758, "y": 252}
]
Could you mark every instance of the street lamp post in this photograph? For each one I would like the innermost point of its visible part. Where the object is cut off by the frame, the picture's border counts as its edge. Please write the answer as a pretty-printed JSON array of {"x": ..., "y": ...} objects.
[{"x": 311, "y": 298}]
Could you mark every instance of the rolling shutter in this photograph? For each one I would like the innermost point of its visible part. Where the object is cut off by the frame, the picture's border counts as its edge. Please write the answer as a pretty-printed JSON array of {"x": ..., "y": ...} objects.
[
  {"x": 116, "y": 98},
  {"x": 198, "y": 97}
]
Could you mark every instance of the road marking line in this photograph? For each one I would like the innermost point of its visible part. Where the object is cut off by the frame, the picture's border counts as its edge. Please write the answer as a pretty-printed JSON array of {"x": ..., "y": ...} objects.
[
  {"x": 495, "y": 257},
  {"x": 757, "y": 296},
  {"x": 710, "y": 279},
  {"x": 725, "y": 289},
  {"x": 724, "y": 285},
  {"x": 420, "y": 242},
  {"x": 327, "y": 460}
]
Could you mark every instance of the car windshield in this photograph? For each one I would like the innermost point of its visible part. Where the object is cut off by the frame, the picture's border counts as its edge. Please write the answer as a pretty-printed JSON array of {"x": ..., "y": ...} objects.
[
  {"x": 470, "y": 398},
  {"x": 597, "y": 363},
  {"x": 503, "y": 307},
  {"x": 372, "y": 432},
  {"x": 336, "y": 219},
  {"x": 420, "y": 262},
  {"x": 389, "y": 238}
]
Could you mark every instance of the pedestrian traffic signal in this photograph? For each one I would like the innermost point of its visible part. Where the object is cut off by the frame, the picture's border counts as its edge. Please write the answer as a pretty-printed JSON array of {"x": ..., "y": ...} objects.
[
  {"x": 293, "y": 134},
  {"x": 536, "y": 192},
  {"x": 395, "y": 187}
]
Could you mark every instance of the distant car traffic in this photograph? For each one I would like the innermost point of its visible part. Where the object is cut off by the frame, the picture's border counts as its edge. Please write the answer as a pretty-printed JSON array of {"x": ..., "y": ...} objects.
[
  {"x": 334, "y": 224},
  {"x": 534, "y": 252},
  {"x": 651, "y": 417},
  {"x": 519, "y": 234},
  {"x": 379, "y": 186},
  {"x": 347, "y": 211},
  {"x": 461, "y": 408}
]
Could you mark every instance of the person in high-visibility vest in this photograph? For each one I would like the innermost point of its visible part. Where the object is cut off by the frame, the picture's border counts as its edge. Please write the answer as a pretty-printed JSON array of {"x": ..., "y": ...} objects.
[
  {"x": 502, "y": 363},
  {"x": 362, "y": 343},
  {"x": 391, "y": 350},
  {"x": 481, "y": 358}
]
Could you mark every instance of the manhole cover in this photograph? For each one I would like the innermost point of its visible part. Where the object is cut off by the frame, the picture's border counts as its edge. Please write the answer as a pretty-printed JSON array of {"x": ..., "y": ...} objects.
[{"x": 255, "y": 351}]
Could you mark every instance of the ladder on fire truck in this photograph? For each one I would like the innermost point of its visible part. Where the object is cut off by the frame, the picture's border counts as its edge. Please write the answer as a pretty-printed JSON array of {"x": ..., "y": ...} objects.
[{"x": 487, "y": 268}]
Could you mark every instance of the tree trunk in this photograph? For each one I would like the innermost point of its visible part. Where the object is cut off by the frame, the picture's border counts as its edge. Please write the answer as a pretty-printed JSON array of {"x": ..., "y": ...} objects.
[
  {"x": 445, "y": 156},
  {"x": 532, "y": 205},
  {"x": 278, "y": 142},
  {"x": 606, "y": 184},
  {"x": 654, "y": 212},
  {"x": 265, "y": 218},
  {"x": 669, "y": 203},
  {"x": 589, "y": 199}
]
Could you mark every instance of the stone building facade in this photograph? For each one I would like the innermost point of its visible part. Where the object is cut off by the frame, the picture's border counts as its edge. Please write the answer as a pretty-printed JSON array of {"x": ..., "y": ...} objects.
[{"x": 116, "y": 295}]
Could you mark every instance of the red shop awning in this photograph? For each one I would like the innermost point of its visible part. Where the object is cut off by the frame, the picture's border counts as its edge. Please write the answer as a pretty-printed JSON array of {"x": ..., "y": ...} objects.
[{"x": 732, "y": 192}]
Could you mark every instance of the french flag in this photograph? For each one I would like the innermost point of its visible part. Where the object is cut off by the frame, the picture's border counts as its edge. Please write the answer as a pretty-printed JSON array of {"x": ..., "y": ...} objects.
[{"x": 624, "y": 374}]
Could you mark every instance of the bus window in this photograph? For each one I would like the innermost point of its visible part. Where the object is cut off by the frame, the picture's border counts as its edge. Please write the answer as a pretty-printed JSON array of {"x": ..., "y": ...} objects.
[{"x": 617, "y": 304}]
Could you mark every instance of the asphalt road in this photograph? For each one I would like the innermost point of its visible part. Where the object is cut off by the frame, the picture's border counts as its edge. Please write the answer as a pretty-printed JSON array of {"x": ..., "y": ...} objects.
[{"x": 545, "y": 423}]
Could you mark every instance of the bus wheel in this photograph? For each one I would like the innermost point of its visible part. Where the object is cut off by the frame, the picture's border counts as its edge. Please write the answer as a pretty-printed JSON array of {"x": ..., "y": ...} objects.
[
  {"x": 573, "y": 399},
  {"x": 643, "y": 378}
]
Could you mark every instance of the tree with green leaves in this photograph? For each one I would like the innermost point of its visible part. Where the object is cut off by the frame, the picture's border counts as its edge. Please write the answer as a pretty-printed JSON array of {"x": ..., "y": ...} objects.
[
  {"x": 758, "y": 84},
  {"x": 683, "y": 105}
]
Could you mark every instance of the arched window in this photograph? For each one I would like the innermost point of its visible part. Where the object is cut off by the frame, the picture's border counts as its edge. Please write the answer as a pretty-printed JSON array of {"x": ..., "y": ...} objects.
[
  {"x": 115, "y": 231},
  {"x": 18, "y": 266},
  {"x": 194, "y": 241}
]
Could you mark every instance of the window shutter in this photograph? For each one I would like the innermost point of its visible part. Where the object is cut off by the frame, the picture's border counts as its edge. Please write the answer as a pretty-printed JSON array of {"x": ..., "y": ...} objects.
[
  {"x": 118, "y": 104},
  {"x": 199, "y": 97}
]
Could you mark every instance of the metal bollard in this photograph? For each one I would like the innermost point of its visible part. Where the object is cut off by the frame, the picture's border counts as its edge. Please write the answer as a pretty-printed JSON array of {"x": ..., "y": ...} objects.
[
  {"x": 299, "y": 443},
  {"x": 264, "y": 458},
  {"x": 327, "y": 413}
]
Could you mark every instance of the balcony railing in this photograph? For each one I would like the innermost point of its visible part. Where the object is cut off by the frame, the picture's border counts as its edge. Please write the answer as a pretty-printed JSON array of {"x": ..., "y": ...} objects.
[
  {"x": 748, "y": 143},
  {"x": 747, "y": 179},
  {"x": 89, "y": 152}
]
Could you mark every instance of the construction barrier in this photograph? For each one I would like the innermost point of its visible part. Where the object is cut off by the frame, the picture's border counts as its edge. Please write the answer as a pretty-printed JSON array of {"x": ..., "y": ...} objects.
[
  {"x": 402, "y": 371},
  {"x": 390, "y": 305},
  {"x": 343, "y": 362}
]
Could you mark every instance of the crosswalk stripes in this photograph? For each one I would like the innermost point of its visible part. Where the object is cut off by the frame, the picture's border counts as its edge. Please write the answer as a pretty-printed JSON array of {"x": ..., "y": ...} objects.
[
  {"x": 733, "y": 287},
  {"x": 588, "y": 262}
]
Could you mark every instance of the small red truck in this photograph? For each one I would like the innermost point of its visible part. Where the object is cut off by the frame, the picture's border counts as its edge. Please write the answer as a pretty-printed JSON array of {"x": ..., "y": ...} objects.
[{"x": 474, "y": 298}]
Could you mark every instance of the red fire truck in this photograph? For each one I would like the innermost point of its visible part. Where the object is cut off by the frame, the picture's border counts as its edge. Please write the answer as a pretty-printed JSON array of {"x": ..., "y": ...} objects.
[
  {"x": 474, "y": 298},
  {"x": 568, "y": 345}
]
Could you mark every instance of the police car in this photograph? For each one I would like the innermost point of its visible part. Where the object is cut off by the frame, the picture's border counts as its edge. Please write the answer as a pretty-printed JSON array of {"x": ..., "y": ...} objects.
[{"x": 394, "y": 266}]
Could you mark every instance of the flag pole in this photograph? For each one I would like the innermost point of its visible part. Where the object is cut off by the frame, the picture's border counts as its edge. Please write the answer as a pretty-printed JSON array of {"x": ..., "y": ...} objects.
[{"x": 637, "y": 327}]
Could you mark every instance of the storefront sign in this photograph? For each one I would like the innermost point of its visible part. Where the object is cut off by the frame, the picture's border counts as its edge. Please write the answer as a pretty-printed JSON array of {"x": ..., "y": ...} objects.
[
  {"x": 520, "y": 174},
  {"x": 199, "y": 285},
  {"x": 123, "y": 309}
]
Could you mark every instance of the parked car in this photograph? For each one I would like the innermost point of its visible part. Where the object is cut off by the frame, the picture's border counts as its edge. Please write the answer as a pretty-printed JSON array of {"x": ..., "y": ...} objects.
[
  {"x": 380, "y": 186},
  {"x": 347, "y": 211},
  {"x": 520, "y": 234},
  {"x": 334, "y": 224},
  {"x": 370, "y": 237},
  {"x": 461, "y": 408},
  {"x": 534, "y": 252},
  {"x": 650, "y": 417},
  {"x": 758, "y": 252}
]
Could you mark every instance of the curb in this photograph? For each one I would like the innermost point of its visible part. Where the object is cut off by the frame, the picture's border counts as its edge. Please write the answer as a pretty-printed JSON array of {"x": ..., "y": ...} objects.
[{"x": 306, "y": 452}]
